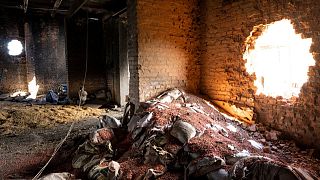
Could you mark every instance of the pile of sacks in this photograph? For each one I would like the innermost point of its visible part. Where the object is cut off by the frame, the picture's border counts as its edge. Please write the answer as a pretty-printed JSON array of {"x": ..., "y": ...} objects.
[{"x": 177, "y": 136}]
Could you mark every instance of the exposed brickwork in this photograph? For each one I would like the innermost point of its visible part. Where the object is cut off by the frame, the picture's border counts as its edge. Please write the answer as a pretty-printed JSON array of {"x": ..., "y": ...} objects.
[
  {"x": 167, "y": 46},
  {"x": 49, "y": 52},
  {"x": 12, "y": 68},
  {"x": 133, "y": 51},
  {"x": 44, "y": 51},
  {"x": 226, "y": 25},
  {"x": 29, "y": 52}
]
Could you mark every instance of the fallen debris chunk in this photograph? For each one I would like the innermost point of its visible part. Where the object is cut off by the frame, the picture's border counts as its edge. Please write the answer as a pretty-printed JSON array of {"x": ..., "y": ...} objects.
[
  {"x": 128, "y": 113},
  {"x": 221, "y": 174},
  {"x": 260, "y": 168},
  {"x": 114, "y": 168},
  {"x": 231, "y": 147},
  {"x": 272, "y": 135},
  {"x": 232, "y": 159},
  {"x": 252, "y": 128},
  {"x": 243, "y": 153},
  {"x": 105, "y": 170},
  {"x": 58, "y": 176},
  {"x": 242, "y": 113},
  {"x": 110, "y": 122},
  {"x": 302, "y": 174},
  {"x": 145, "y": 120},
  {"x": 52, "y": 97},
  {"x": 156, "y": 154},
  {"x": 220, "y": 129},
  {"x": 133, "y": 123},
  {"x": 171, "y": 95},
  {"x": 183, "y": 131},
  {"x": 202, "y": 167},
  {"x": 101, "y": 136},
  {"x": 19, "y": 94},
  {"x": 4, "y": 96},
  {"x": 153, "y": 174},
  {"x": 232, "y": 128},
  {"x": 256, "y": 144}
]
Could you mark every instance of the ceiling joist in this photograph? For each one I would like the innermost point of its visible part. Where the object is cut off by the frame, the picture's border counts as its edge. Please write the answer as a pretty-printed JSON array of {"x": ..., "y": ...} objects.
[
  {"x": 55, "y": 7},
  {"x": 25, "y": 5},
  {"x": 76, "y": 6}
]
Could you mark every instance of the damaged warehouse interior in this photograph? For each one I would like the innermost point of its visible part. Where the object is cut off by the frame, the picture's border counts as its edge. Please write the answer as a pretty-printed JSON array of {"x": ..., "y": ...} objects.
[{"x": 146, "y": 89}]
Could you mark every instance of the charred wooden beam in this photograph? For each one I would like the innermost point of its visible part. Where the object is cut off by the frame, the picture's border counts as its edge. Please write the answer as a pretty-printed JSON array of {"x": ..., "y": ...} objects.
[
  {"x": 76, "y": 6},
  {"x": 55, "y": 7},
  {"x": 25, "y": 5}
]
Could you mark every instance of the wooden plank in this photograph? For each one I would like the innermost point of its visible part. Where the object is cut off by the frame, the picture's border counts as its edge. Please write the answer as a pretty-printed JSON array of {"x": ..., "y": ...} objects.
[
  {"x": 25, "y": 5},
  {"x": 55, "y": 7},
  {"x": 241, "y": 113},
  {"x": 76, "y": 6}
]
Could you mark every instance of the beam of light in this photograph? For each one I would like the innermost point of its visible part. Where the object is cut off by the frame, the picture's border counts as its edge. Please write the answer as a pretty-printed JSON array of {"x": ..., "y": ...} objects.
[
  {"x": 33, "y": 88},
  {"x": 280, "y": 60},
  {"x": 18, "y": 93},
  {"x": 14, "y": 47}
]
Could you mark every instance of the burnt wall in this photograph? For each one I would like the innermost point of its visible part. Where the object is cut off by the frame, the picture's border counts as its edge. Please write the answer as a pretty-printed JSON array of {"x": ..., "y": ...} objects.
[
  {"x": 133, "y": 52},
  {"x": 167, "y": 45},
  {"x": 48, "y": 41},
  {"x": 111, "y": 29},
  {"x": 226, "y": 25},
  {"x": 76, "y": 45},
  {"x": 12, "y": 68},
  {"x": 43, "y": 56},
  {"x": 115, "y": 30}
]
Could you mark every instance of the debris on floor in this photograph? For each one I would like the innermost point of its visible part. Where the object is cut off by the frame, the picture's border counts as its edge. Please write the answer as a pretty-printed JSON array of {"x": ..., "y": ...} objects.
[
  {"x": 181, "y": 136},
  {"x": 58, "y": 176},
  {"x": 18, "y": 117}
]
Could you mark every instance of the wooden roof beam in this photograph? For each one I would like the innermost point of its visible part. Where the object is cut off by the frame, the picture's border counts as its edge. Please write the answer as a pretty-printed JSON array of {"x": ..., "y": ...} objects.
[
  {"x": 55, "y": 7},
  {"x": 25, "y": 5},
  {"x": 76, "y": 6}
]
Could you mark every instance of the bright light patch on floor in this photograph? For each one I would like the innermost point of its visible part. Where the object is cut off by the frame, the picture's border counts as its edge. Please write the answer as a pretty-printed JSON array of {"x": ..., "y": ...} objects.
[
  {"x": 33, "y": 88},
  {"x": 280, "y": 60},
  {"x": 15, "y": 48}
]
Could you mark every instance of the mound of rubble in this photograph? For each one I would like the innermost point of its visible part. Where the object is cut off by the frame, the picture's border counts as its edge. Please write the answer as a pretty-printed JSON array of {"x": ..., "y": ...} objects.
[{"x": 180, "y": 136}]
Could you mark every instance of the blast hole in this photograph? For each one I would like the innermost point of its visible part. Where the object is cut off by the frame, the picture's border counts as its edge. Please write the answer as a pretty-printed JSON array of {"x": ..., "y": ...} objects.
[{"x": 279, "y": 58}]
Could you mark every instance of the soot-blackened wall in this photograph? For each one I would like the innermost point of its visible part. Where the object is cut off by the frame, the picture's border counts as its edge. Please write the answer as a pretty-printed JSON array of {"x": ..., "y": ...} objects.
[
  {"x": 76, "y": 40},
  {"x": 43, "y": 56}
]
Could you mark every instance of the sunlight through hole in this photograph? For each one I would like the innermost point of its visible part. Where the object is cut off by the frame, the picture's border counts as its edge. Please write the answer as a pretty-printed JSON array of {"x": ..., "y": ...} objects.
[
  {"x": 279, "y": 58},
  {"x": 14, "y": 48}
]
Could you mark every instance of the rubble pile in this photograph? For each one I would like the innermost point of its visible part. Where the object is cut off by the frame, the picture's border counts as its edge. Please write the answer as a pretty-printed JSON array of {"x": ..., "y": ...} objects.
[{"x": 181, "y": 136}]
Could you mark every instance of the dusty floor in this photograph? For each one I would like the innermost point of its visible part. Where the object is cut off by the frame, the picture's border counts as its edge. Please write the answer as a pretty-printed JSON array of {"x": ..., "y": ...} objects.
[
  {"x": 29, "y": 133},
  {"x": 18, "y": 117}
]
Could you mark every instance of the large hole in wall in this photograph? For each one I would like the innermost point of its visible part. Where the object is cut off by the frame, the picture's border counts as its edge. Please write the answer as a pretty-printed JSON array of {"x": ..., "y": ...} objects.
[{"x": 279, "y": 58}]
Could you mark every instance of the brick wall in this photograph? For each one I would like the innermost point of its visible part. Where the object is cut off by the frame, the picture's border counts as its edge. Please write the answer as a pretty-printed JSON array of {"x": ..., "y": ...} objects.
[
  {"x": 12, "y": 68},
  {"x": 133, "y": 51},
  {"x": 115, "y": 30},
  {"x": 226, "y": 25},
  {"x": 167, "y": 43},
  {"x": 48, "y": 42},
  {"x": 43, "y": 56}
]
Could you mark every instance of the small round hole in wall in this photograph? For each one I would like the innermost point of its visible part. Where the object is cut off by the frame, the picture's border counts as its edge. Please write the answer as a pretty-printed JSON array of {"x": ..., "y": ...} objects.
[{"x": 14, "y": 47}]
